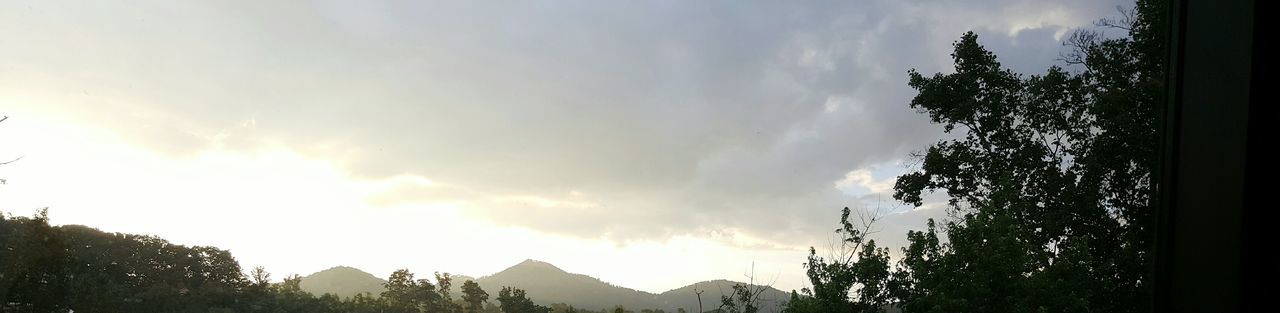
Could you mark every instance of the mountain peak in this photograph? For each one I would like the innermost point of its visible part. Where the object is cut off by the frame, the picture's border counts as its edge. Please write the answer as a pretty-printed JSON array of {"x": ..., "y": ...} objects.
[
  {"x": 535, "y": 265},
  {"x": 545, "y": 284},
  {"x": 341, "y": 268},
  {"x": 344, "y": 281}
]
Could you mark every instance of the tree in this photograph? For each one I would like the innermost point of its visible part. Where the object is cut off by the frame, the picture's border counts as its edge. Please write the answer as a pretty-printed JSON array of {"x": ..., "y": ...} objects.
[
  {"x": 111, "y": 272},
  {"x": 1049, "y": 184},
  {"x": 856, "y": 266},
  {"x": 404, "y": 294},
  {"x": 259, "y": 276},
  {"x": 473, "y": 296},
  {"x": 744, "y": 297},
  {"x": 32, "y": 264},
  {"x": 1050, "y": 181},
  {"x": 445, "y": 304},
  {"x": 46, "y": 268},
  {"x": 514, "y": 300},
  {"x": 289, "y": 296}
]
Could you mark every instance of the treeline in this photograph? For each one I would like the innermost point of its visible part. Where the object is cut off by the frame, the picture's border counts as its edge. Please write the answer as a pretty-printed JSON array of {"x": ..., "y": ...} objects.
[{"x": 74, "y": 268}]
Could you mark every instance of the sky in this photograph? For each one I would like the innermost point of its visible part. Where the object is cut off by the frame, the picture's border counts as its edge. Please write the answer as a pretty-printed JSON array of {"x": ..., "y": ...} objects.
[{"x": 651, "y": 144}]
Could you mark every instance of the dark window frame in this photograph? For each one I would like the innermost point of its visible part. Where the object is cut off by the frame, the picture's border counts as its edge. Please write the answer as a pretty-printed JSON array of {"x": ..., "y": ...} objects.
[{"x": 1202, "y": 224}]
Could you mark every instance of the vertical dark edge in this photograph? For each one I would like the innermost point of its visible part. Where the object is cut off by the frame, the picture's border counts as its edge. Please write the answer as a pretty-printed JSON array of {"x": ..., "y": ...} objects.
[
  {"x": 1168, "y": 172},
  {"x": 1200, "y": 243},
  {"x": 1250, "y": 254}
]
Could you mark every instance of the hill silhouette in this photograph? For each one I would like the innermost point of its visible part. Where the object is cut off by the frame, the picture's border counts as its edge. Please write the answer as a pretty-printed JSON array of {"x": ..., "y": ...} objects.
[
  {"x": 686, "y": 297},
  {"x": 547, "y": 284},
  {"x": 342, "y": 281}
]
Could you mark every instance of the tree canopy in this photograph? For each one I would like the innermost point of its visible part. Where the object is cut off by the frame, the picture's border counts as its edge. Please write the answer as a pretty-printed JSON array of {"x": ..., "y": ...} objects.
[
  {"x": 1049, "y": 183},
  {"x": 513, "y": 300}
]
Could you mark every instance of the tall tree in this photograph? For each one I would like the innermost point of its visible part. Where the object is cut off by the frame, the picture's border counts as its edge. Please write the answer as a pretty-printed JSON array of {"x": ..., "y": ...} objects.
[
  {"x": 473, "y": 296},
  {"x": 855, "y": 266},
  {"x": 444, "y": 281},
  {"x": 1050, "y": 181},
  {"x": 405, "y": 294}
]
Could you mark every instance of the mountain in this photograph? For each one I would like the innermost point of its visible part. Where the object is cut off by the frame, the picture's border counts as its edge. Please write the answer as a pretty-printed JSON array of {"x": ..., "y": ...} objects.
[
  {"x": 347, "y": 281},
  {"x": 342, "y": 281},
  {"x": 547, "y": 284}
]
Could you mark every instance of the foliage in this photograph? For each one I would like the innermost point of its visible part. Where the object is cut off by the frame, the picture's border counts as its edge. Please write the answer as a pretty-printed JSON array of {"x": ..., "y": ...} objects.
[
  {"x": 514, "y": 300},
  {"x": 445, "y": 304},
  {"x": 50, "y": 268},
  {"x": 856, "y": 265},
  {"x": 46, "y": 268},
  {"x": 1049, "y": 185},
  {"x": 473, "y": 296}
]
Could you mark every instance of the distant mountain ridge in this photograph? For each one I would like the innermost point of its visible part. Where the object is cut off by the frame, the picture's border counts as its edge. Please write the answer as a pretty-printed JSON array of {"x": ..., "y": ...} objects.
[
  {"x": 343, "y": 281},
  {"x": 547, "y": 284}
]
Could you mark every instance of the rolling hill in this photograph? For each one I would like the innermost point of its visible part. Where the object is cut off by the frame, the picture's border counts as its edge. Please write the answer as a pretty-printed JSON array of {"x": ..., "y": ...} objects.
[
  {"x": 342, "y": 281},
  {"x": 685, "y": 297},
  {"x": 547, "y": 284}
]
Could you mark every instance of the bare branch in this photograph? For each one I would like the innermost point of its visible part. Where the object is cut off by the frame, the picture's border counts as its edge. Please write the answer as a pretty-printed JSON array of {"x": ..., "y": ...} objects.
[
  {"x": 868, "y": 221},
  {"x": 11, "y": 161},
  {"x": 1081, "y": 42},
  {"x": 1126, "y": 20}
]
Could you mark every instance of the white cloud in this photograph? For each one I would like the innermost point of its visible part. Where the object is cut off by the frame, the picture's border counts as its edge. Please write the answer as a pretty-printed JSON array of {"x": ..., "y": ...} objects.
[{"x": 859, "y": 182}]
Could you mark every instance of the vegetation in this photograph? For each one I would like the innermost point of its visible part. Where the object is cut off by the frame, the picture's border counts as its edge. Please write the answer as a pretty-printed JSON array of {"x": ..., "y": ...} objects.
[
  {"x": 75, "y": 268},
  {"x": 1049, "y": 187},
  {"x": 46, "y": 268},
  {"x": 473, "y": 297},
  {"x": 514, "y": 301}
]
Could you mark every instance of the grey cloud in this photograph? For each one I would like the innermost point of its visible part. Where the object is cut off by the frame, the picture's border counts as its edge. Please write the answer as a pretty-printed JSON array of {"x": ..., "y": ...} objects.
[{"x": 676, "y": 117}]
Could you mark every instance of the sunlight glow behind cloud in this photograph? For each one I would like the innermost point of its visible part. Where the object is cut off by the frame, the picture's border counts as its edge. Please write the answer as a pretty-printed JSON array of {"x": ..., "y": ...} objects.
[
  {"x": 651, "y": 144},
  {"x": 279, "y": 209}
]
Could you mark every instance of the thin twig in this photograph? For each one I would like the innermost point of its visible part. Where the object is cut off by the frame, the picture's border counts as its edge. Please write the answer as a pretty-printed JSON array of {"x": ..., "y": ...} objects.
[{"x": 11, "y": 161}]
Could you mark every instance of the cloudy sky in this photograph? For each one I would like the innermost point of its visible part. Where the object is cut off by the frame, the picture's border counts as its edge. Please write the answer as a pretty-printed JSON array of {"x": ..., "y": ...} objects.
[{"x": 651, "y": 144}]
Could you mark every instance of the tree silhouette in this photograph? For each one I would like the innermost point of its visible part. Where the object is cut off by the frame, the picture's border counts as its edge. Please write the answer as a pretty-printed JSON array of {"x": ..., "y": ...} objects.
[
  {"x": 405, "y": 294},
  {"x": 473, "y": 296},
  {"x": 854, "y": 265},
  {"x": 1049, "y": 185},
  {"x": 1051, "y": 181},
  {"x": 514, "y": 300},
  {"x": 445, "y": 304}
]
